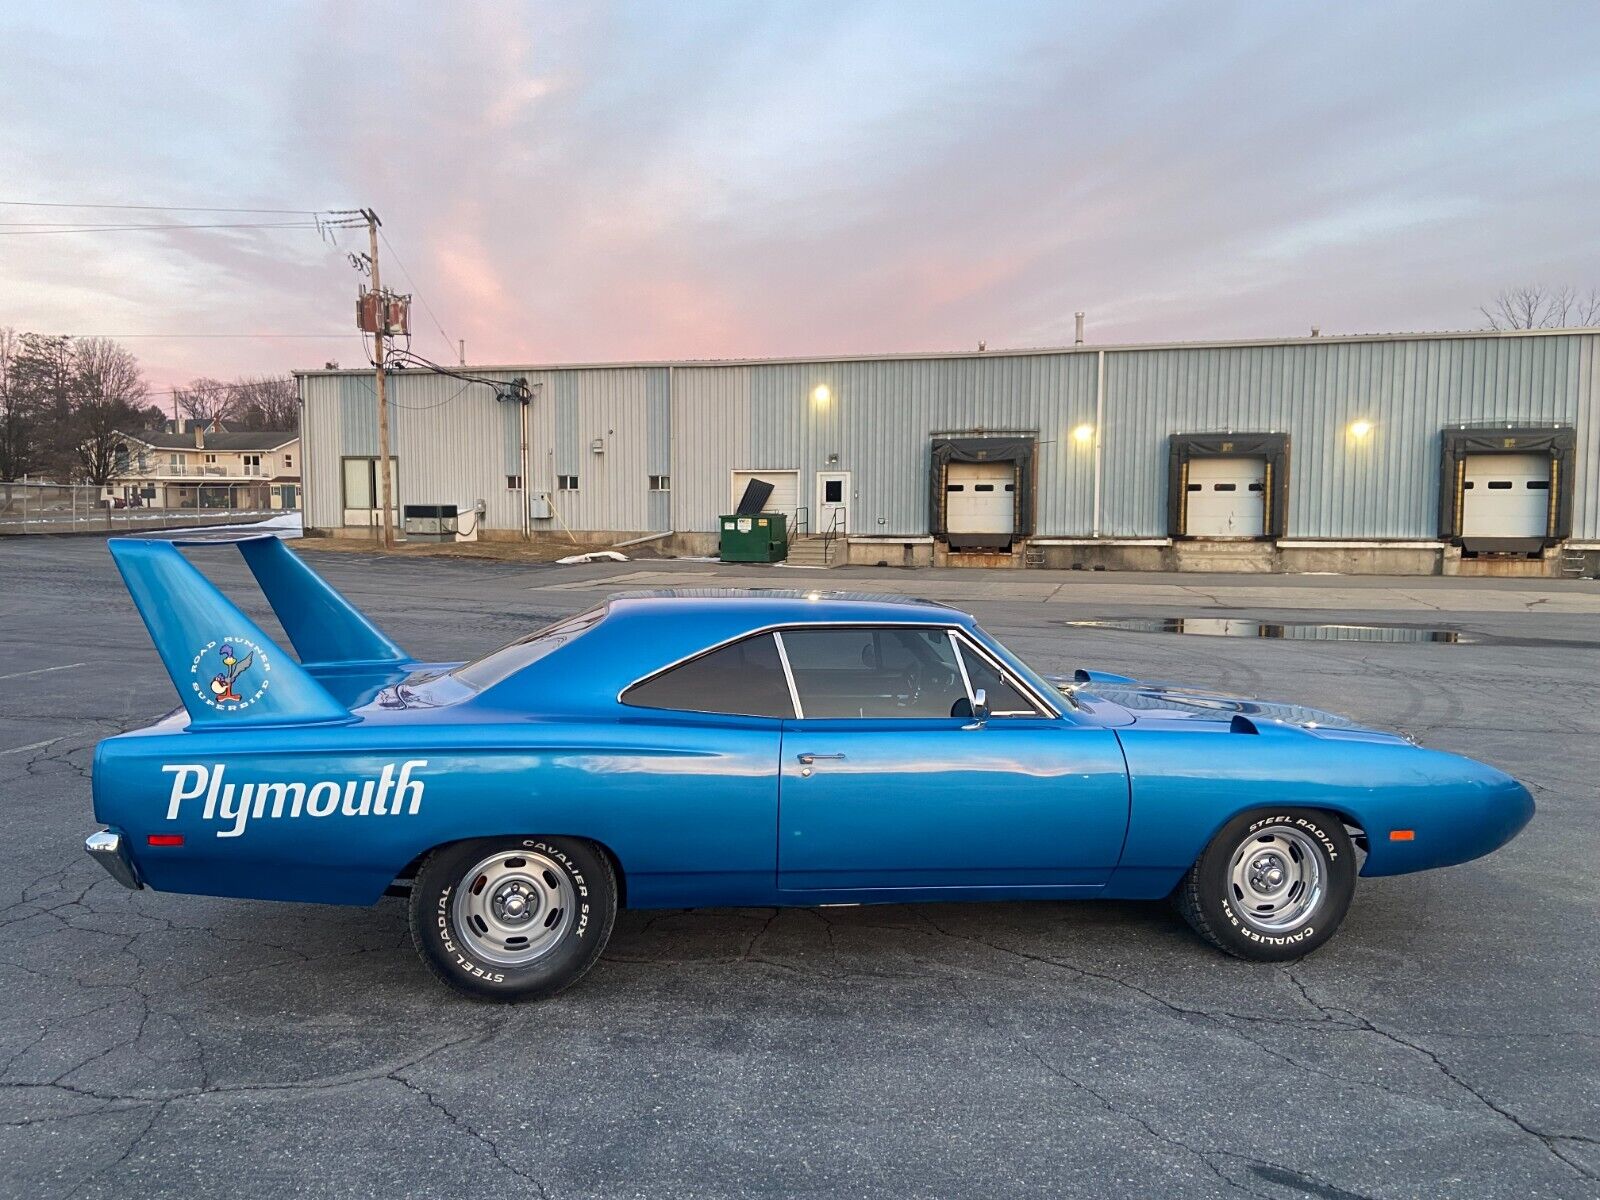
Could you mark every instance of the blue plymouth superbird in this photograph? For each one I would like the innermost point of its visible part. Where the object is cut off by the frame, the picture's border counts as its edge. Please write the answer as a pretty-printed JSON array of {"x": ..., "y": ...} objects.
[{"x": 703, "y": 748}]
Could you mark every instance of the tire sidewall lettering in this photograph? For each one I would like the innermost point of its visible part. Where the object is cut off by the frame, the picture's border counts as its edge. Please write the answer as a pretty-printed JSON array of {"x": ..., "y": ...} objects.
[
  {"x": 442, "y": 923},
  {"x": 1311, "y": 827}
]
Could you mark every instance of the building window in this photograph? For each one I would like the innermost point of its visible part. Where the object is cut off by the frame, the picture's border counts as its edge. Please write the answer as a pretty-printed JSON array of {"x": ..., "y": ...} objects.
[
  {"x": 661, "y": 483},
  {"x": 211, "y": 458},
  {"x": 288, "y": 461},
  {"x": 177, "y": 462},
  {"x": 252, "y": 462},
  {"x": 514, "y": 483},
  {"x": 566, "y": 483}
]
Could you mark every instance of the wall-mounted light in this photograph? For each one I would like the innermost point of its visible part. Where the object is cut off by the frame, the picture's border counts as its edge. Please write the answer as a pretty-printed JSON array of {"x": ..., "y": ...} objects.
[
  {"x": 820, "y": 394},
  {"x": 1361, "y": 429},
  {"x": 1083, "y": 434}
]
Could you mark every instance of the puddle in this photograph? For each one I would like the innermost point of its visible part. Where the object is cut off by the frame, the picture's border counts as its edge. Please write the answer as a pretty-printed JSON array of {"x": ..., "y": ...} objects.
[{"x": 1235, "y": 627}]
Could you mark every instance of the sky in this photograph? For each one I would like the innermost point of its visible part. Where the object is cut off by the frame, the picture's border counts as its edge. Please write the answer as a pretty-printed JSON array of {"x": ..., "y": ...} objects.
[{"x": 582, "y": 182}]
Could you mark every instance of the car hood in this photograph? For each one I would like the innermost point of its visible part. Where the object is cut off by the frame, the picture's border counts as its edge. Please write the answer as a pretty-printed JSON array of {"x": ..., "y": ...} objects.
[{"x": 1148, "y": 703}]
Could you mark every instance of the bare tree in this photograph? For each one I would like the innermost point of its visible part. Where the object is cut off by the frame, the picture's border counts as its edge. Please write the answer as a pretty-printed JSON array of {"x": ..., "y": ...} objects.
[
  {"x": 1540, "y": 307},
  {"x": 205, "y": 399},
  {"x": 21, "y": 446},
  {"x": 268, "y": 402},
  {"x": 111, "y": 399}
]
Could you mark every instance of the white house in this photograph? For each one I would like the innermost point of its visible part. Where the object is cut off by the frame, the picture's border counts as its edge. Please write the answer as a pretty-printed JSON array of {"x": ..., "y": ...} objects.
[{"x": 200, "y": 465}]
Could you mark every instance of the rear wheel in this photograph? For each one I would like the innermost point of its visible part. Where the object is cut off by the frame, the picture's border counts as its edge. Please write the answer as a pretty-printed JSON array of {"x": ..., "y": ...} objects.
[
  {"x": 513, "y": 918},
  {"x": 1272, "y": 885}
]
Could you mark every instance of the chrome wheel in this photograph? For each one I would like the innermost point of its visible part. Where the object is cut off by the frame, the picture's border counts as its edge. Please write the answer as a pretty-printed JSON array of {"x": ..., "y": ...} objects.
[
  {"x": 1277, "y": 879},
  {"x": 513, "y": 908}
]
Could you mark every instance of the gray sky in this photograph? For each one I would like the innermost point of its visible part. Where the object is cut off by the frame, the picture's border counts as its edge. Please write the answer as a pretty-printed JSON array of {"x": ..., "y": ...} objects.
[{"x": 592, "y": 181}]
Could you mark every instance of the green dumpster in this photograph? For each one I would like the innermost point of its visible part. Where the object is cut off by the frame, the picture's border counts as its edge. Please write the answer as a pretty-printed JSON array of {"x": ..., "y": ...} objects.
[{"x": 759, "y": 537}]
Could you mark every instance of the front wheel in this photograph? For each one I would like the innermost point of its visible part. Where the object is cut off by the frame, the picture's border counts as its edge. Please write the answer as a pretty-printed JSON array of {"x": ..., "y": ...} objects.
[
  {"x": 1272, "y": 885},
  {"x": 516, "y": 918}
]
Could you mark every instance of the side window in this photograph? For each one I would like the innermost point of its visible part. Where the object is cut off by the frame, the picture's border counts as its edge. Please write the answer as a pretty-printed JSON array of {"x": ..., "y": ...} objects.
[
  {"x": 1005, "y": 698},
  {"x": 875, "y": 672},
  {"x": 744, "y": 679}
]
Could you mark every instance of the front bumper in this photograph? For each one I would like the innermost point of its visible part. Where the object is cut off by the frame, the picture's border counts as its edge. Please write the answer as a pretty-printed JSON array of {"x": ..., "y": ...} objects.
[{"x": 109, "y": 848}]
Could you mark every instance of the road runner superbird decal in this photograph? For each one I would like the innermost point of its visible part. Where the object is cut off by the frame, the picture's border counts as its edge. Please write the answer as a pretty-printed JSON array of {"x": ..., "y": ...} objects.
[
  {"x": 236, "y": 656},
  {"x": 393, "y": 792}
]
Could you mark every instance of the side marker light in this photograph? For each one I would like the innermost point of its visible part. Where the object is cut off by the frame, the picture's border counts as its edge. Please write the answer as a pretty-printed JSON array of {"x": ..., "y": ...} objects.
[
  {"x": 1402, "y": 835},
  {"x": 164, "y": 839}
]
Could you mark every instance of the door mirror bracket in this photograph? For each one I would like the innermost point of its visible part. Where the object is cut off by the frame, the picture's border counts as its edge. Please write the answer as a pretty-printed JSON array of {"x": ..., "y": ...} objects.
[{"x": 980, "y": 710}]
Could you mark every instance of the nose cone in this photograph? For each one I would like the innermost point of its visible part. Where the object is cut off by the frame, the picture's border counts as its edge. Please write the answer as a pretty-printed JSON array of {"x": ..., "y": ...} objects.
[
  {"x": 1491, "y": 808},
  {"x": 1454, "y": 810}
]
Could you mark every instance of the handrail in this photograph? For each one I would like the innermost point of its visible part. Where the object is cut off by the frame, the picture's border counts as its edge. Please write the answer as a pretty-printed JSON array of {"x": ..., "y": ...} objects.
[
  {"x": 833, "y": 530},
  {"x": 801, "y": 520}
]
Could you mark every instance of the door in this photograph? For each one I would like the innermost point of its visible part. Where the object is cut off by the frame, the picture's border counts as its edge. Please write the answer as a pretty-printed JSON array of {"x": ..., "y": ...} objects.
[
  {"x": 362, "y": 488},
  {"x": 833, "y": 502},
  {"x": 1227, "y": 497},
  {"x": 885, "y": 795},
  {"x": 980, "y": 499},
  {"x": 1505, "y": 495}
]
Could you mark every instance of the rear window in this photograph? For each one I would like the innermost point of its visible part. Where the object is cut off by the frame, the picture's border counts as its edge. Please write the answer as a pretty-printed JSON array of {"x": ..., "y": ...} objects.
[{"x": 509, "y": 659}]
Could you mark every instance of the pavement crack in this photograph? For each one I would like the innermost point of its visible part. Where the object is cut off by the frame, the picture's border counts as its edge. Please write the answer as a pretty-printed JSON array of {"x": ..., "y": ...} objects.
[{"x": 459, "y": 1122}]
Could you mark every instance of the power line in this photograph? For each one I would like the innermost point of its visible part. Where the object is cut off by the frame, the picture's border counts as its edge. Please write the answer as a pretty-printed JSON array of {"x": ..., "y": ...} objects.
[
  {"x": 123, "y": 336},
  {"x": 160, "y": 207},
  {"x": 428, "y": 308},
  {"x": 150, "y": 225}
]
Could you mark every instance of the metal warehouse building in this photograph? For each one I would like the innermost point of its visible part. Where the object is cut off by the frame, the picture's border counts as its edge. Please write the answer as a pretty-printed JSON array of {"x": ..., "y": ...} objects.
[{"x": 1412, "y": 453}]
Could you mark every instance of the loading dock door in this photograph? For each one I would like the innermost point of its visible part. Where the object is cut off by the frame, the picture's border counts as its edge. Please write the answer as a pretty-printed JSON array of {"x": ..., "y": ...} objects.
[
  {"x": 785, "y": 497},
  {"x": 980, "y": 499},
  {"x": 1505, "y": 496},
  {"x": 1227, "y": 497}
]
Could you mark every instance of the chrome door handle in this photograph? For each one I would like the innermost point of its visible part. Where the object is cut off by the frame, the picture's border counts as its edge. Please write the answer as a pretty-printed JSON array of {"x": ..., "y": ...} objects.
[{"x": 808, "y": 759}]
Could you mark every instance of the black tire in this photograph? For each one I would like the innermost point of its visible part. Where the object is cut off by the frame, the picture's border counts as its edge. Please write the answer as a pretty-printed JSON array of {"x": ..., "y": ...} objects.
[
  {"x": 465, "y": 910},
  {"x": 1218, "y": 896}
]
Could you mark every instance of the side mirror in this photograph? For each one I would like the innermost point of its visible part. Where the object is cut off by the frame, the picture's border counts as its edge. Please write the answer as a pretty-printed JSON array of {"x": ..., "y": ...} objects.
[{"x": 980, "y": 709}]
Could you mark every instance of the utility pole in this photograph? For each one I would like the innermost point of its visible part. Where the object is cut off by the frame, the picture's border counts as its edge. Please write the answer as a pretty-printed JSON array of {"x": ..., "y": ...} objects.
[{"x": 379, "y": 354}]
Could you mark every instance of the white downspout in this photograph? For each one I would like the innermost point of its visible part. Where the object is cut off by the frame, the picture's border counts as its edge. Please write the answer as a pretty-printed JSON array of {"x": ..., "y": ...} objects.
[
  {"x": 1099, "y": 426},
  {"x": 527, "y": 481}
]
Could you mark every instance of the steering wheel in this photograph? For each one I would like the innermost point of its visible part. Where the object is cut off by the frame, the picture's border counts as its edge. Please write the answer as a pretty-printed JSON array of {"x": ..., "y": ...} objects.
[{"x": 912, "y": 678}]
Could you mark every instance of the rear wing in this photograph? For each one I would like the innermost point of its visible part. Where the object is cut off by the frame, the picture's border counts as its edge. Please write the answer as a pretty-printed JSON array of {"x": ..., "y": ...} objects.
[{"x": 228, "y": 672}]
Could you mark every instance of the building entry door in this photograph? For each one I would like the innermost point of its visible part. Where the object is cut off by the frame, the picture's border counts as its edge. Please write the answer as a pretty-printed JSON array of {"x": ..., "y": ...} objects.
[
  {"x": 1227, "y": 497},
  {"x": 833, "y": 502}
]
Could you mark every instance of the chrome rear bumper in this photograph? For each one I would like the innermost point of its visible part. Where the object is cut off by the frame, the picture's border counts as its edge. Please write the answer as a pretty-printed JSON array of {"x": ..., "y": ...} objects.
[{"x": 109, "y": 848}]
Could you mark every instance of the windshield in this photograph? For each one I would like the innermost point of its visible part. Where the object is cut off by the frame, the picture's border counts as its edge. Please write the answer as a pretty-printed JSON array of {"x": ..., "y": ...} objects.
[{"x": 511, "y": 658}]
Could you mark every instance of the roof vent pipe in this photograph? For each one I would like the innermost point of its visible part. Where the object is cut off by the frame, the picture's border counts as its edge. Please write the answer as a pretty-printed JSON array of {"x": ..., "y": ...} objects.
[
  {"x": 1316, "y": 331},
  {"x": 1077, "y": 336}
]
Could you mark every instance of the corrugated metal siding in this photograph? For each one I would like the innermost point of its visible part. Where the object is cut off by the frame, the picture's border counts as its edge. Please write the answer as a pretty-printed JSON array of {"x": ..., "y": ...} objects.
[
  {"x": 1586, "y": 474},
  {"x": 1384, "y": 487},
  {"x": 449, "y": 440},
  {"x": 699, "y": 423},
  {"x": 879, "y": 420},
  {"x": 576, "y": 409},
  {"x": 710, "y": 439}
]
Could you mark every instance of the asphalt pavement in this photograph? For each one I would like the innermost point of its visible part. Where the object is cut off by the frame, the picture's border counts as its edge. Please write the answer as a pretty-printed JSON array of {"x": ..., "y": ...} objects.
[{"x": 1446, "y": 1042}]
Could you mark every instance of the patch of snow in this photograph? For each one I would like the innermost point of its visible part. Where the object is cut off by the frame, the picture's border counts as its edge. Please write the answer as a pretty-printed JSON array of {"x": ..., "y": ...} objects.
[{"x": 593, "y": 556}]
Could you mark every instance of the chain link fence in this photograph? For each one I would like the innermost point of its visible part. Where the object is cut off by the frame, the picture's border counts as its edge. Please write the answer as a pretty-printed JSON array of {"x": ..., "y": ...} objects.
[{"x": 74, "y": 508}]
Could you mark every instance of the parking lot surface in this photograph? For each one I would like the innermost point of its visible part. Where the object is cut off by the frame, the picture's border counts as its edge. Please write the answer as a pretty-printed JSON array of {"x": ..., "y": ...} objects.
[{"x": 1445, "y": 1043}]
